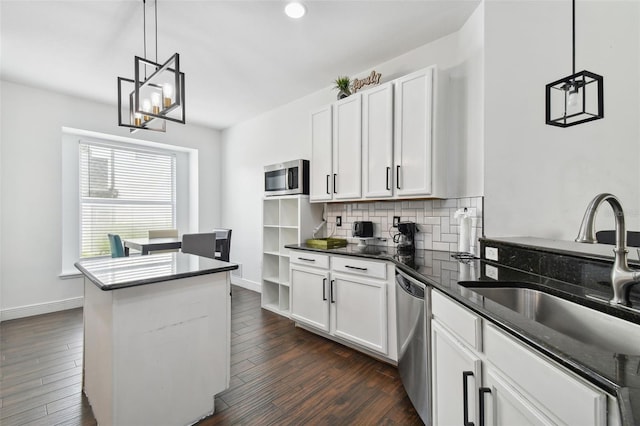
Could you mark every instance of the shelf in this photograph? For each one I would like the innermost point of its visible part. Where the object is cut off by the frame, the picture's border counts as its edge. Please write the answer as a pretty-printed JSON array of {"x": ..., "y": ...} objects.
[
  {"x": 272, "y": 226},
  {"x": 272, "y": 253},
  {"x": 275, "y": 280},
  {"x": 285, "y": 284},
  {"x": 272, "y": 307}
]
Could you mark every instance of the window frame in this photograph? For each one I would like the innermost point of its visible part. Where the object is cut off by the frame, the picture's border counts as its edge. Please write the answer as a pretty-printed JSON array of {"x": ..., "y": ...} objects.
[{"x": 186, "y": 196}]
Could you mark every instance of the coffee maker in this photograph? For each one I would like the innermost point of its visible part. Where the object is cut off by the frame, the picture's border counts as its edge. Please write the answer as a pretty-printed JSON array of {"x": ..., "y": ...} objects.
[{"x": 404, "y": 237}]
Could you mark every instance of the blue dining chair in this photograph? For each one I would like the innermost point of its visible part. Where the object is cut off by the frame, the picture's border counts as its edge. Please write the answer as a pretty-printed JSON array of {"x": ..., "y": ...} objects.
[{"x": 117, "y": 249}]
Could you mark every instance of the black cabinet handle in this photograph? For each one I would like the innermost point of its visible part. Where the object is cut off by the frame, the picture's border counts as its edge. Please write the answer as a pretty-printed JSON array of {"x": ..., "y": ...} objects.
[
  {"x": 334, "y": 183},
  {"x": 324, "y": 289},
  {"x": 328, "y": 177},
  {"x": 398, "y": 177},
  {"x": 388, "y": 171},
  {"x": 355, "y": 267},
  {"x": 481, "y": 393},
  {"x": 331, "y": 292},
  {"x": 308, "y": 260},
  {"x": 465, "y": 398}
]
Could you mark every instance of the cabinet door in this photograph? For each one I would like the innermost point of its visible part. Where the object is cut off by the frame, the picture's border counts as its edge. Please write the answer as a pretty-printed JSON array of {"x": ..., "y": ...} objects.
[
  {"x": 413, "y": 134},
  {"x": 309, "y": 293},
  {"x": 347, "y": 148},
  {"x": 377, "y": 141},
  {"x": 359, "y": 311},
  {"x": 504, "y": 405},
  {"x": 321, "y": 185},
  {"x": 454, "y": 370}
]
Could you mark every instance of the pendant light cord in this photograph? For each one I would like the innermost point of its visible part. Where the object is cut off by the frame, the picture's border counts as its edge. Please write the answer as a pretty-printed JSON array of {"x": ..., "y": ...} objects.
[
  {"x": 155, "y": 4},
  {"x": 573, "y": 28}
]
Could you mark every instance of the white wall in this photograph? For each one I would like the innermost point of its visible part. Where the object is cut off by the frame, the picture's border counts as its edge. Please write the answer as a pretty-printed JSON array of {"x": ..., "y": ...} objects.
[
  {"x": 283, "y": 134},
  {"x": 31, "y": 219},
  {"x": 538, "y": 178}
]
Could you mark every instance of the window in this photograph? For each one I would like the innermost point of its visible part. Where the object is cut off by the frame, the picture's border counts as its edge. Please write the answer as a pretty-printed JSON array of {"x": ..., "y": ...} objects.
[{"x": 123, "y": 190}]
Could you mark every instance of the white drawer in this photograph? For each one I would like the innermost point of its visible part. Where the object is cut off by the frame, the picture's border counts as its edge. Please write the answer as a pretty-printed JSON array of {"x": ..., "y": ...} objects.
[
  {"x": 359, "y": 266},
  {"x": 309, "y": 258},
  {"x": 466, "y": 325},
  {"x": 566, "y": 397}
]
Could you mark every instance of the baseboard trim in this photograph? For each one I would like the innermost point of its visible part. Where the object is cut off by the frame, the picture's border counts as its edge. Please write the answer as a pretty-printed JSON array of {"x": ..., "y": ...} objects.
[
  {"x": 249, "y": 285},
  {"x": 41, "y": 308}
]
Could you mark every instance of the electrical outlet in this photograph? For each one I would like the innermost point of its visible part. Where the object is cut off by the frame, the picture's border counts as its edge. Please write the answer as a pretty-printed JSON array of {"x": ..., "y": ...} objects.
[
  {"x": 396, "y": 221},
  {"x": 338, "y": 220}
]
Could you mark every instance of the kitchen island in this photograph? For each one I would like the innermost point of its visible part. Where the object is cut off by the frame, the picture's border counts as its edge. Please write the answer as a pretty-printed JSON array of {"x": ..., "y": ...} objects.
[{"x": 156, "y": 337}]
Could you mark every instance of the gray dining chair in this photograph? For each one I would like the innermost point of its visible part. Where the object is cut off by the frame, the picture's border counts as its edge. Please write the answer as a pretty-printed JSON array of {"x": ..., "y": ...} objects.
[{"x": 203, "y": 244}]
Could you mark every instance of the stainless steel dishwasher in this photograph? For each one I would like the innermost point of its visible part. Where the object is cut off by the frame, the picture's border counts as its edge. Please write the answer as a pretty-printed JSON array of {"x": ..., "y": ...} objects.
[{"x": 413, "y": 309}]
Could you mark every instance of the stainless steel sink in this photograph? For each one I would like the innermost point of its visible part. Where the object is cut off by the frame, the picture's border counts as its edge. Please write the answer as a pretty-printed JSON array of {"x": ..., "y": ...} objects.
[{"x": 571, "y": 319}]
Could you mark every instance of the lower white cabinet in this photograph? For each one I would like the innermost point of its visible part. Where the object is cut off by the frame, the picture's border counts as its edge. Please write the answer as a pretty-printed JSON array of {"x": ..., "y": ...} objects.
[
  {"x": 346, "y": 298},
  {"x": 309, "y": 296},
  {"x": 359, "y": 310},
  {"x": 455, "y": 378},
  {"x": 483, "y": 375}
]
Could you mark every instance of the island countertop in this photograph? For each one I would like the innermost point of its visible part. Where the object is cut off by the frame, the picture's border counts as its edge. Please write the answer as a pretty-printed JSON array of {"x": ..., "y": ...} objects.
[{"x": 114, "y": 273}]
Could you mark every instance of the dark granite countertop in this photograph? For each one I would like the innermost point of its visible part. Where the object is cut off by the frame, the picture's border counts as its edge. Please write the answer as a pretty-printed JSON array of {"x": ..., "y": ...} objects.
[
  {"x": 114, "y": 273},
  {"x": 617, "y": 374}
]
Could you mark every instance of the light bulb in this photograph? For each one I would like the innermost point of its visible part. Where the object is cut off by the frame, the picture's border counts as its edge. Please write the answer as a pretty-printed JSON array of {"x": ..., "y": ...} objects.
[
  {"x": 167, "y": 92},
  {"x": 137, "y": 119},
  {"x": 146, "y": 107},
  {"x": 295, "y": 10},
  {"x": 156, "y": 101},
  {"x": 572, "y": 101}
]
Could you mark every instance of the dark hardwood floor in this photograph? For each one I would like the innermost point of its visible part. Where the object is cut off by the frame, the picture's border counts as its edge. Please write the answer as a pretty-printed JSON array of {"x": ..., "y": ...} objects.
[{"x": 280, "y": 375}]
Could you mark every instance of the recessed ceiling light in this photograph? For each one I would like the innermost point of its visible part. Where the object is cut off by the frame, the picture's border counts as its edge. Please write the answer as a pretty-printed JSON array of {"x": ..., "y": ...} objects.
[{"x": 295, "y": 10}]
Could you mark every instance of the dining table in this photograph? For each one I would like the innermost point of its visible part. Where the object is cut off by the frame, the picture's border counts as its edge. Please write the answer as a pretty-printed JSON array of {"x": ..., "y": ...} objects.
[{"x": 146, "y": 245}]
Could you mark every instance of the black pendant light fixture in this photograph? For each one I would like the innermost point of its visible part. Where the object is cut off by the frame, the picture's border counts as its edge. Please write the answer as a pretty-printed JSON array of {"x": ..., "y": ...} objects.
[
  {"x": 156, "y": 94},
  {"x": 577, "y": 98}
]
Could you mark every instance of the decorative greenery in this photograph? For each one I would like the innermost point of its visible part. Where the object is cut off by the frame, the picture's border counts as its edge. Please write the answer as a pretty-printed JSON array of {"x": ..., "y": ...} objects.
[{"x": 343, "y": 84}]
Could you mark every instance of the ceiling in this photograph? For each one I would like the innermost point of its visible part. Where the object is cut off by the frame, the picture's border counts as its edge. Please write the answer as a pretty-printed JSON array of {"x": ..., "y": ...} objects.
[{"x": 240, "y": 58}]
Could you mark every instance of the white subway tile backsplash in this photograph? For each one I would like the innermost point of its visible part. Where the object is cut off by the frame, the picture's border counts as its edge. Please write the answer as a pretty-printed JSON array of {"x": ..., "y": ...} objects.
[{"x": 437, "y": 226}]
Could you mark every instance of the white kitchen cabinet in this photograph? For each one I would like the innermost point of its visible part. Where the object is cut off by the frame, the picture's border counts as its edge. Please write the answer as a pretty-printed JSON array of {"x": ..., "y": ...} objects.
[
  {"x": 507, "y": 406},
  {"x": 309, "y": 296},
  {"x": 285, "y": 220},
  {"x": 506, "y": 382},
  {"x": 346, "y": 298},
  {"x": 386, "y": 142},
  {"x": 321, "y": 183},
  {"x": 347, "y": 148},
  {"x": 359, "y": 310},
  {"x": 377, "y": 141},
  {"x": 414, "y": 132},
  {"x": 456, "y": 377}
]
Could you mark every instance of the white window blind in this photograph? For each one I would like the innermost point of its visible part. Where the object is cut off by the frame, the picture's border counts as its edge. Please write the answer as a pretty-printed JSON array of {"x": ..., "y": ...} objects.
[{"x": 125, "y": 191}]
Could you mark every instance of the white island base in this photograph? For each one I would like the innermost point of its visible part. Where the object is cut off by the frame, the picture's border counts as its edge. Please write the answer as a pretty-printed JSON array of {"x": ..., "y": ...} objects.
[{"x": 157, "y": 354}]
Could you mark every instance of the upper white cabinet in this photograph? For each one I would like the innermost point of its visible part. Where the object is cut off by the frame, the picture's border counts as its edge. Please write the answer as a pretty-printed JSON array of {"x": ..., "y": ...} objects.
[
  {"x": 347, "y": 148},
  {"x": 383, "y": 145},
  {"x": 322, "y": 157},
  {"x": 377, "y": 141},
  {"x": 413, "y": 144}
]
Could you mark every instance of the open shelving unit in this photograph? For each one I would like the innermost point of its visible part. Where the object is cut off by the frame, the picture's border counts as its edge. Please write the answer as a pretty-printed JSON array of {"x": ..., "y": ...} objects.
[{"x": 285, "y": 220}]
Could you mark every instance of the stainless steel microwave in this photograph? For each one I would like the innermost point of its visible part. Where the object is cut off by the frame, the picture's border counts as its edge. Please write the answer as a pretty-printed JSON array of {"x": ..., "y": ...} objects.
[{"x": 288, "y": 178}]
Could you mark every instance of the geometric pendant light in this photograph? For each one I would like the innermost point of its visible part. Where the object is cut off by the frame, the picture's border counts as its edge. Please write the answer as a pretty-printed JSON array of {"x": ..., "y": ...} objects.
[
  {"x": 156, "y": 93},
  {"x": 577, "y": 98}
]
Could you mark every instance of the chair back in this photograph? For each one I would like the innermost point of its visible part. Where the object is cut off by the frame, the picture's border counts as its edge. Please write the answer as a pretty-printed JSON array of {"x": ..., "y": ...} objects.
[
  {"x": 223, "y": 243},
  {"x": 117, "y": 249},
  {"x": 203, "y": 244},
  {"x": 163, "y": 233}
]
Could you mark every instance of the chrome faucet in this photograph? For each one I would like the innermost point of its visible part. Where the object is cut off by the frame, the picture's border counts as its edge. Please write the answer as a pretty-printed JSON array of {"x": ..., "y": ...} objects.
[{"x": 622, "y": 277}]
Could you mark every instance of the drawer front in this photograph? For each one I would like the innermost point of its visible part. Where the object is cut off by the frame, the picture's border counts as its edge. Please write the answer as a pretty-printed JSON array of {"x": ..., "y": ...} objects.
[
  {"x": 358, "y": 266},
  {"x": 309, "y": 259},
  {"x": 559, "y": 394},
  {"x": 466, "y": 325}
]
